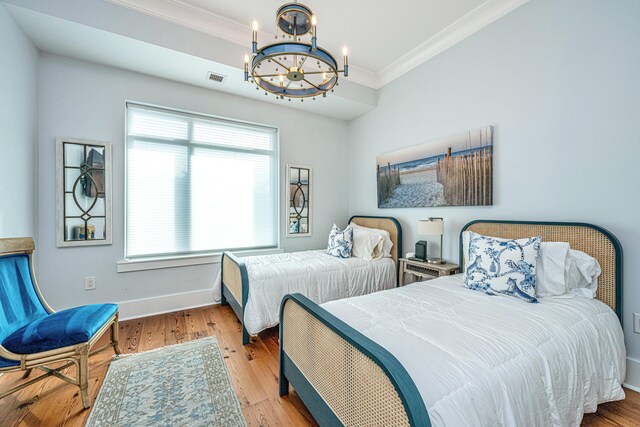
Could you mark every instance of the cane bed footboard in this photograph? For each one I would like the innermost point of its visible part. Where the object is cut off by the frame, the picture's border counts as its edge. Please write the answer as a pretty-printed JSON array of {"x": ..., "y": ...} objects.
[
  {"x": 342, "y": 376},
  {"x": 235, "y": 287},
  {"x": 232, "y": 276}
]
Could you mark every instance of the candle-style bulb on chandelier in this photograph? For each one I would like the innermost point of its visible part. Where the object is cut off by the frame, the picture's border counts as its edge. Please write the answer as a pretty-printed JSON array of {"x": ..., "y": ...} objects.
[{"x": 295, "y": 67}]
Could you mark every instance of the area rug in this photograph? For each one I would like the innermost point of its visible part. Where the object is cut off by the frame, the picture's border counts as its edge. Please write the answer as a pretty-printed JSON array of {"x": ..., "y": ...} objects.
[{"x": 180, "y": 385}]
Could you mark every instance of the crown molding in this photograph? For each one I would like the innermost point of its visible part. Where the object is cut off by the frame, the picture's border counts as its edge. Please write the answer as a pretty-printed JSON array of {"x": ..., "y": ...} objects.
[
  {"x": 192, "y": 17},
  {"x": 205, "y": 21},
  {"x": 479, "y": 18}
]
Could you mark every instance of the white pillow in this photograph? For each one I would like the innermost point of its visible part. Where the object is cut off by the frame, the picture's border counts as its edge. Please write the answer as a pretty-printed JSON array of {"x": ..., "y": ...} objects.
[
  {"x": 386, "y": 238},
  {"x": 582, "y": 275},
  {"x": 553, "y": 262},
  {"x": 366, "y": 245},
  {"x": 465, "y": 249}
]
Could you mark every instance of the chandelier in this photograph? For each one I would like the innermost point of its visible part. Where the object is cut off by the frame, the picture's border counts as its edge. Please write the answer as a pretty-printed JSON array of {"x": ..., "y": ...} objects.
[{"x": 293, "y": 68}]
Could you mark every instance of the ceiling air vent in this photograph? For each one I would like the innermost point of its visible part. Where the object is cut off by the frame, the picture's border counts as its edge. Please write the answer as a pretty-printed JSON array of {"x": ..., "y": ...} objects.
[{"x": 218, "y": 78}]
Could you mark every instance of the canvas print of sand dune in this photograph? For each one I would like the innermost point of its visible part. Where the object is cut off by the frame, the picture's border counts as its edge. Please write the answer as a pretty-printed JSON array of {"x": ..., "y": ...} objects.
[{"x": 452, "y": 171}]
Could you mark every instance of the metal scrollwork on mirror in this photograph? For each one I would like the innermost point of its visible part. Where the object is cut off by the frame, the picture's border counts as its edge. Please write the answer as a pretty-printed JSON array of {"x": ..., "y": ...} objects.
[
  {"x": 298, "y": 209},
  {"x": 83, "y": 190}
]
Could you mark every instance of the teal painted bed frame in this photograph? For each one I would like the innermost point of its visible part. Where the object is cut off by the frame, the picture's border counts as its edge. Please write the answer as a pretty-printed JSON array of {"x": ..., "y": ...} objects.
[
  {"x": 413, "y": 404},
  {"x": 228, "y": 298},
  {"x": 238, "y": 309}
]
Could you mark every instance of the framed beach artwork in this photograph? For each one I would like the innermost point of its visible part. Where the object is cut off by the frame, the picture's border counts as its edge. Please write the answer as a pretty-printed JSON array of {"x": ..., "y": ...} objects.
[{"x": 452, "y": 171}]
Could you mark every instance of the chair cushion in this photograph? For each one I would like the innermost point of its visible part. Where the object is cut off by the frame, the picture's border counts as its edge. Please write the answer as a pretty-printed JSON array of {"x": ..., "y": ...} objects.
[{"x": 64, "y": 328}]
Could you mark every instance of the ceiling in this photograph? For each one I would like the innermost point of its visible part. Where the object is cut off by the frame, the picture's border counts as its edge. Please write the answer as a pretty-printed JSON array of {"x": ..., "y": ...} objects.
[
  {"x": 377, "y": 33},
  {"x": 184, "y": 40},
  {"x": 70, "y": 39},
  {"x": 385, "y": 39}
]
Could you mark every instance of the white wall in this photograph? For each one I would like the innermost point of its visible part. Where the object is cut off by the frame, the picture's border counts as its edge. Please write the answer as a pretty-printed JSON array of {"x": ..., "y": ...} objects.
[
  {"x": 559, "y": 80},
  {"x": 18, "y": 129},
  {"x": 87, "y": 101}
]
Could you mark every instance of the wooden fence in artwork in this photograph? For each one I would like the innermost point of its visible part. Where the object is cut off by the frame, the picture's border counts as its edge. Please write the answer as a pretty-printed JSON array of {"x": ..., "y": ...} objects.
[
  {"x": 388, "y": 180},
  {"x": 467, "y": 179}
]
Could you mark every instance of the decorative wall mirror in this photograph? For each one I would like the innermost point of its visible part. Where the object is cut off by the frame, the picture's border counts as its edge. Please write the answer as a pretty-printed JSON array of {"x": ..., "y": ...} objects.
[
  {"x": 298, "y": 209},
  {"x": 83, "y": 192}
]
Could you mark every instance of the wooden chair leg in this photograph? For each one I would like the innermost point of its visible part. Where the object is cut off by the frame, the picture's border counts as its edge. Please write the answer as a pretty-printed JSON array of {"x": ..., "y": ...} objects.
[
  {"x": 115, "y": 336},
  {"x": 26, "y": 374},
  {"x": 83, "y": 376}
]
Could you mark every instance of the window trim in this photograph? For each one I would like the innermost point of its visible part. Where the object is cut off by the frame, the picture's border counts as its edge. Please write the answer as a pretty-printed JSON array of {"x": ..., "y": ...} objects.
[
  {"x": 211, "y": 257},
  {"x": 141, "y": 264}
]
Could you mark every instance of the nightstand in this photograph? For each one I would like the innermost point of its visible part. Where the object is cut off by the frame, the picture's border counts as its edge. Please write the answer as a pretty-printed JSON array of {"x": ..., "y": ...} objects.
[{"x": 425, "y": 270}]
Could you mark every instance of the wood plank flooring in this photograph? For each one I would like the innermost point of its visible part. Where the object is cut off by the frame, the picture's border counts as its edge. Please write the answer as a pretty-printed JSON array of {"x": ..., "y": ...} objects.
[{"x": 253, "y": 369}]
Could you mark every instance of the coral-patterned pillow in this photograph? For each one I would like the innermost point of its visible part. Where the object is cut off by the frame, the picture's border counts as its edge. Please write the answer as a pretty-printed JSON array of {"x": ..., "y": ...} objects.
[
  {"x": 340, "y": 242},
  {"x": 501, "y": 266}
]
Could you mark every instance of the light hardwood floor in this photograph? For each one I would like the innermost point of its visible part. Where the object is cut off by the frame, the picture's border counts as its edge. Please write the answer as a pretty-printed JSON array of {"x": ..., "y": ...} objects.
[{"x": 253, "y": 369}]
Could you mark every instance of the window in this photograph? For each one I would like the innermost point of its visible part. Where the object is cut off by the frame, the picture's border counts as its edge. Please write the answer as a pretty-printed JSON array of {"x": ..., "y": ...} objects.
[{"x": 198, "y": 184}]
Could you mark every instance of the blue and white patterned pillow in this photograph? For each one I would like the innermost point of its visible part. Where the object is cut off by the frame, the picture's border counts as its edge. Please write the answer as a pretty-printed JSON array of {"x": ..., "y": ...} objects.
[
  {"x": 340, "y": 242},
  {"x": 502, "y": 266}
]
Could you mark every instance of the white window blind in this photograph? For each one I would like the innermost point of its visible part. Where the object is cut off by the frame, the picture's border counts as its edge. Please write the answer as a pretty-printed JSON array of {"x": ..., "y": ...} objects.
[{"x": 198, "y": 184}]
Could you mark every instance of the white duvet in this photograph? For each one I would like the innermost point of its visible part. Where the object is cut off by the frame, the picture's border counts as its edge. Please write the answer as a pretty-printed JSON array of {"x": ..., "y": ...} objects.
[
  {"x": 481, "y": 360},
  {"x": 314, "y": 274}
]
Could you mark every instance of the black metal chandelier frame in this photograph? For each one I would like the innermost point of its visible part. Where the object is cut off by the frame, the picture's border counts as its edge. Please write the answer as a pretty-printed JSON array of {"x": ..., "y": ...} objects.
[{"x": 293, "y": 68}]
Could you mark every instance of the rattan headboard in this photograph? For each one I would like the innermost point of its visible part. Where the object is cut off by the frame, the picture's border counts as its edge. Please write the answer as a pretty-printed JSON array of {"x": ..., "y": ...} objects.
[
  {"x": 591, "y": 239},
  {"x": 387, "y": 223}
]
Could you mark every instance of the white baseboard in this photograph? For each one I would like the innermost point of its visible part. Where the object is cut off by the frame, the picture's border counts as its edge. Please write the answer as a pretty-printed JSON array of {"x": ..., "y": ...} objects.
[
  {"x": 633, "y": 375},
  {"x": 134, "y": 309}
]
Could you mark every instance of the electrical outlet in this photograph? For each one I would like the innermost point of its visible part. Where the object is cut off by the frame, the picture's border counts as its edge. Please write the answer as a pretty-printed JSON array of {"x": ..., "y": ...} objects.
[
  {"x": 89, "y": 283},
  {"x": 636, "y": 323}
]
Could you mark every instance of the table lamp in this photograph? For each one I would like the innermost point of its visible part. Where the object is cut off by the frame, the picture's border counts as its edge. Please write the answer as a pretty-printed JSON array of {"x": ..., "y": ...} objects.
[{"x": 432, "y": 227}]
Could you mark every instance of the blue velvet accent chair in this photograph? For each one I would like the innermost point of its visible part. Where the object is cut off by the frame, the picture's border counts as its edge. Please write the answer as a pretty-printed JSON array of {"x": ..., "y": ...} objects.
[{"x": 33, "y": 335}]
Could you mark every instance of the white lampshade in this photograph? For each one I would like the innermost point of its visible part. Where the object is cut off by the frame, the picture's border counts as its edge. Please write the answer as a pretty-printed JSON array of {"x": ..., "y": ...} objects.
[{"x": 431, "y": 227}]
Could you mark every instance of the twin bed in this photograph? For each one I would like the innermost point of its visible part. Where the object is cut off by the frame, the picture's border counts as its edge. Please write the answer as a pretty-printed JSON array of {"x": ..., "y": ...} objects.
[
  {"x": 255, "y": 286},
  {"x": 435, "y": 353}
]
